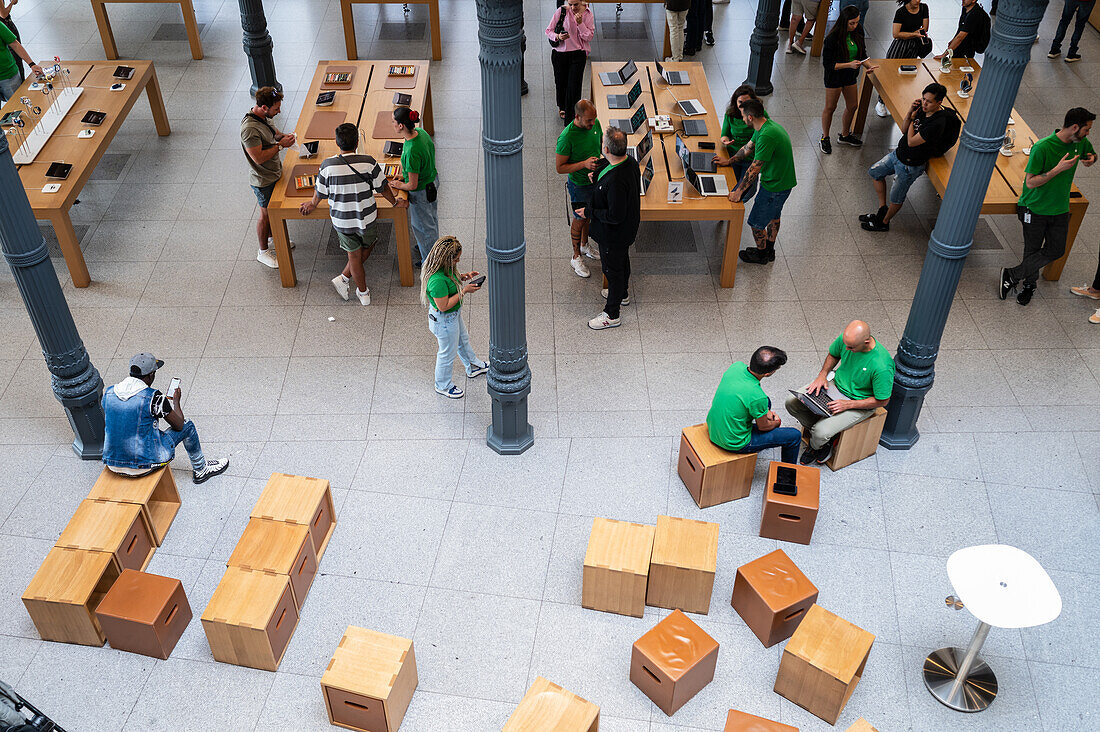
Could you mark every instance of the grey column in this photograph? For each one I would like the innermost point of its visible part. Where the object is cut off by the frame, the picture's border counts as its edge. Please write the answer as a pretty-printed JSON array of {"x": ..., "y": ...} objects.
[
  {"x": 762, "y": 46},
  {"x": 982, "y": 137},
  {"x": 500, "y": 23},
  {"x": 76, "y": 383},
  {"x": 257, "y": 45}
]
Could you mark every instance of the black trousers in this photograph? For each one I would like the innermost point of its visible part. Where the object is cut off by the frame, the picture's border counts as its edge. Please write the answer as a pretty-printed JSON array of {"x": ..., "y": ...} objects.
[
  {"x": 699, "y": 19},
  {"x": 568, "y": 76},
  {"x": 1044, "y": 242},
  {"x": 615, "y": 261}
]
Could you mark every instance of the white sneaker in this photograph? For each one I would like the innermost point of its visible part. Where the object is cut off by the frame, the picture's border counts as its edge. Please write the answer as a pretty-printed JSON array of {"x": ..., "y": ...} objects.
[
  {"x": 271, "y": 243},
  {"x": 342, "y": 285},
  {"x": 795, "y": 48},
  {"x": 213, "y": 467},
  {"x": 590, "y": 251},
  {"x": 267, "y": 258},
  {"x": 881, "y": 110},
  {"x": 601, "y": 321},
  {"x": 364, "y": 297},
  {"x": 626, "y": 300},
  {"x": 579, "y": 267},
  {"x": 1095, "y": 317}
]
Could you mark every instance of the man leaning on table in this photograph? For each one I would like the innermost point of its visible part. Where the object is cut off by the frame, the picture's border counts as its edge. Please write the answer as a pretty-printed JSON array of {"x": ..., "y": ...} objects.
[{"x": 262, "y": 142}]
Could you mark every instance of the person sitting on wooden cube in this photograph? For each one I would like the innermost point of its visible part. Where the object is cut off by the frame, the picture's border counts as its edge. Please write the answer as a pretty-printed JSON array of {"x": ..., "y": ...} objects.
[
  {"x": 134, "y": 444},
  {"x": 862, "y": 382},
  {"x": 740, "y": 417}
]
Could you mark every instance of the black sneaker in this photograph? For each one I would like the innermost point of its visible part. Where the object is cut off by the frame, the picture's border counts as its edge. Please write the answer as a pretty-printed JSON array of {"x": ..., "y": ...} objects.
[
  {"x": 754, "y": 255},
  {"x": 1054, "y": 53},
  {"x": 826, "y": 145},
  {"x": 690, "y": 51},
  {"x": 769, "y": 252},
  {"x": 1072, "y": 57},
  {"x": 1007, "y": 284},
  {"x": 874, "y": 216},
  {"x": 1024, "y": 297},
  {"x": 708, "y": 37},
  {"x": 874, "y": 225},
  {"x": 849, "y": 139}
]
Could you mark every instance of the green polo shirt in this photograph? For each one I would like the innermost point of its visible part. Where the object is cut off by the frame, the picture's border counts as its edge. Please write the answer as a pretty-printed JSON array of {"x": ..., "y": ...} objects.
[
  {"x": 8, "y": 67},
  {"x": 738, "y": 402},
  {"x": 863, "y": 375},
  {"x": 1052, "y": 198},
  {"x": 735, "y": 129},
  {"x": 418, "y": 156},
  {"x": 440, "y": 285},
  {"x": 577, "y": 145},
  {"x": 772, "y": 147}
]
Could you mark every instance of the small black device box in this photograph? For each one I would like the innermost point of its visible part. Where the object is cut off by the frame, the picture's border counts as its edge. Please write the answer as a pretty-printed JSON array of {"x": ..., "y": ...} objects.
[
  {"x": 785, "y": 481},
  {"x": 59, "y": 171},
  {"x": 94, "y": 118},
  {"x": 124, "y": 72},
  {"x": 392, "y": 149},
  {"x": 325, "y": 98},
  {"x": 402, "y": 100},
  {"x": 704, "y": 145}
]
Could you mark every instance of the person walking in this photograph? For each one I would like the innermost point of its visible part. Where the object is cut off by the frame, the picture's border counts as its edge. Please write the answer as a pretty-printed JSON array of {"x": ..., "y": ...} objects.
[
  {"x": 972, "y": 36},
  {"x": 576, "y": 154},
  {"x": 736, "y": 133},
  {"x": 1082, "y": 9},
  {"x": 442, "y": 289},
  {"x": 803, "y": 17},
  {"x": 910, "y": 32},
  {"x": 418, "y": 180},
  {"x": 1092, "y": 292},
  {"x": 570, "y": 33},
  {"x": 843, "y": 54},
  {"x": 262, "y": 142},
  {"x": 676, "y": 13},
  {"x": 699, "y": 19}
]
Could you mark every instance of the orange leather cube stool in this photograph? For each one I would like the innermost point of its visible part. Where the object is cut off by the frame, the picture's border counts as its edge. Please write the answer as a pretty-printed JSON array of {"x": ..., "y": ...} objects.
[
  {"x": 681, "y": 571},
  {"x": 673, "y": 661},
  {"x": 742, "y": 722},
  {"x": 156, "y": 493},
  {"x": 822, "y": 663},
  {"x": 791, "y": 518},
  {"x": 105, "y": 526},
  {"x": 65, "y": 591},
  {"x": 772, "y": 596},
  {"x": 370, "y": 681},
  {"x": 278, "y": 547},
  {"x": 250, "y": 618},
  {"x": 144, "y": 613},
  {"x": 858, "y": 442},
  {"x": 712, "y": 475},
  {"x": 616, "y": 567},
  {"x": 299, "y": 500},
  {"x": 861, "y": 725},
  {"x": 546, "y": 707}
]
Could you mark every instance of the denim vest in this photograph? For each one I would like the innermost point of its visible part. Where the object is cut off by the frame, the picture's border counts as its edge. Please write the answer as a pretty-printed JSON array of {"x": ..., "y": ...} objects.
[{"x": 132, "y": 439}]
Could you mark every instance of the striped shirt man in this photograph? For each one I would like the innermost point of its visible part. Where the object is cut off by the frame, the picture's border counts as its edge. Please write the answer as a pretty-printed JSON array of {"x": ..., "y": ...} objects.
[{"x": 350, "y": 194}]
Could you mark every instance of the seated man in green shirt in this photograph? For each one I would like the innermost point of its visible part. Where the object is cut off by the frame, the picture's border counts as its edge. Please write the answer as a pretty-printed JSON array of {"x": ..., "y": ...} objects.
[
  {"x": 740, "y": 417},
  {"x": 863, "y": 380}
]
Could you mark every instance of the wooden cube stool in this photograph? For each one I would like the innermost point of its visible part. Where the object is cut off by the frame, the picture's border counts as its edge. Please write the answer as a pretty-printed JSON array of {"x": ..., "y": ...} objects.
[
  {"x": 65, "y": 591},
  {"x": 681, "y": 570},
  {"x": 279, "y": 548},
  {"x": 742, "y": 722},
  {"x": 772, "y": 596},
  {"x": 616, "y": 567},
  {"x": 299, "y": 500},
  {"x": 250, "y": 618},
  {"x": 673, "y": 661},
  {"x": 144, "y": 613},
  {"x": 861, "y": 725},
  {"x": 791, "y": 518},
  {"x": 858, "y": 442},
  {"x": 106, "y": 526},
  {"x": 156, "y": 493},
  {"x": 370, "y": 681},
  {"x": 822, "y": 663},
  {"x": 546, "y": 707},
  {"x": 713, "y": 475}
]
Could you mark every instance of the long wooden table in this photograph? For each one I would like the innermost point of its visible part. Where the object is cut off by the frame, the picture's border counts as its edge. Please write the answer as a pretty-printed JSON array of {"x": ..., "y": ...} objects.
[
  {"x": 657, "y": 97},
  {"x": 819, "y": 29},
  {"x": 369, "y": 95},
  {"x": 94, "y": 78},
  {"x": 1005, "y": 185},
  {"x": 346, "y": 7},
  {"x": 99, "y": 9}
]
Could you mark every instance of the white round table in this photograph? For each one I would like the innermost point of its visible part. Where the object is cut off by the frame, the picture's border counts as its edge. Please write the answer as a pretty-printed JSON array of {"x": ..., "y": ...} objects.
[{"x": 1003, "y": 587}]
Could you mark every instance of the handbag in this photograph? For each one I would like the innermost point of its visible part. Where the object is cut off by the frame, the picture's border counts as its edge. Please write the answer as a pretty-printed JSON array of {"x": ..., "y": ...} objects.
[
  {"x": 431, "y": 192},
  {"x": 559, "y": 28}
]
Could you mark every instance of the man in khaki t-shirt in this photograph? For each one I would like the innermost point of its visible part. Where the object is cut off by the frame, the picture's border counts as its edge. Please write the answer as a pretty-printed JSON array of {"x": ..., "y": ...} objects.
[{"x": 261, "y": 142}]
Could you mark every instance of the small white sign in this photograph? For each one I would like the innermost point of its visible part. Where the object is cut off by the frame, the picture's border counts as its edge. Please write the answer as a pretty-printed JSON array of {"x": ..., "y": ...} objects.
[
  {"x": 675, "y": 191},
  {"x": 51, "y": 188}
]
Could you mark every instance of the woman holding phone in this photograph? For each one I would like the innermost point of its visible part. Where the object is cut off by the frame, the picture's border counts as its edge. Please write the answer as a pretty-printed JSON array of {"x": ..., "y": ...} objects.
[
  {"x": 419, "y": 180},
  {"x": 843, "y": 55},
  {"x": 910, "y": 32},
  {"x": 570, "y": 33},
  {"x": 442, "y": 289}
]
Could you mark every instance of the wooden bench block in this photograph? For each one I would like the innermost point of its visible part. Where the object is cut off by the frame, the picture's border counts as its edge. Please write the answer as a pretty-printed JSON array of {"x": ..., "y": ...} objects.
[
  {"x": 250, "y": 618},
  {"x": 858, "y": 442},
  {"x": 370, "y": 681},
  {"x": 546, "y": 707},
  {"x": 681, "y": 570},
  {"x": 822, "y": 663},
  {"x": 106, "y": 526},
  {"x": 673, "y": 661},
  {"x": 713, "y": 475},
  {"x": 616, "y": 567},
  {"x": 299, "y": 500},
  {"x": 741, "y": 722},
  {"x": 772, "y": 596},
  {"x": 144, "y": 613},
  {"x": 156, "y": 493},
  {"x": 861, "y": 725},
  {"x": 65, "y": 591},
  {"x": 791, "y": 518},
  {"x": 278, "y": 548}
]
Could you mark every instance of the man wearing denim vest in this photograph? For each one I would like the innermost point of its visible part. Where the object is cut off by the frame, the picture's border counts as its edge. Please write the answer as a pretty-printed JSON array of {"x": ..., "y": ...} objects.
[{"x": 134, "y": 443}]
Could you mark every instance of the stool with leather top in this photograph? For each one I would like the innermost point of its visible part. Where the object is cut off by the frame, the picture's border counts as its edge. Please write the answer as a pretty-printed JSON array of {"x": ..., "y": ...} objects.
[
  {"x": 791, "y": 517},
  {"x": 772, "y": 596},
  {"x": 673, "y": 661},
  {"x": 144, "y": 613}
]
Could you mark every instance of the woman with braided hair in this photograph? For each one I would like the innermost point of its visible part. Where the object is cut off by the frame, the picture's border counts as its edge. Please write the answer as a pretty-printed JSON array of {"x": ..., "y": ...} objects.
[
  {"x": 418, "y": 171},
  {"x": 442, "y": 288}
]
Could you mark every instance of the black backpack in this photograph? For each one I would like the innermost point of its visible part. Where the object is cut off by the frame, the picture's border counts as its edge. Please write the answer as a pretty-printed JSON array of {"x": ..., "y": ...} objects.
[
  {"x": 981, "y": 35},
  {"x": 951, "y": 130}
]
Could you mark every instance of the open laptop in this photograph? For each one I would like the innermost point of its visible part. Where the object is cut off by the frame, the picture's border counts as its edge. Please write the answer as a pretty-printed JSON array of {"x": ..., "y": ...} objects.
[
  {"x": 639, "y": 151},
  {"x": 617, "y": 78},
  {"x": 647, "y": 175},
  {"x": 625, "y": 101},
  {"x": 691, "y": 107},
  {"x": 676, "y": 78},
  {"x": 819, "y": 403},
  {"x": 708, "y": 185},
  {"x": 632, "y": 125},
  {"x": 699, "y": 161},
  {"x": 694, "y": 127}
]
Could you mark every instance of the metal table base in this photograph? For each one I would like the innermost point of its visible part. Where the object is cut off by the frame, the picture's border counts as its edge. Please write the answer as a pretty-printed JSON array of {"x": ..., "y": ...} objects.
[{"x": 960, "y": 679}]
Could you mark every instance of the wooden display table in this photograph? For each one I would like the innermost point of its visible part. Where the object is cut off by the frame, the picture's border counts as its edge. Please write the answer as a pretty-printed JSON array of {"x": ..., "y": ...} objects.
[
  {"x": 65, "y": 591},
  {"x": 819, "y": 30},
  {"x": 546, "y": 707},
  {"x": 99, "y": 9},
  {"x": 296, "y": 499},
  {"x": 616, "y": 567},
  {"x": 120, "y": 529},
  {"x": 666, "y": 49},
  {"x": 156, "y": 493},
  {"x": 250, "y": 619},
  {"x": 370, "y": 93},
  {"x": 83, "y": 154},
  {"x": 898, "y": 92},
  {"x": 370, "y": 681},
  {"x": 346, "y": 7},
  {"x": 657, "y": 98}
]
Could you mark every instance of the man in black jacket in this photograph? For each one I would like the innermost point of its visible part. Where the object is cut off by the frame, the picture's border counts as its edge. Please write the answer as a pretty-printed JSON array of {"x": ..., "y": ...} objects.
[{"x": 614, "y": 210}]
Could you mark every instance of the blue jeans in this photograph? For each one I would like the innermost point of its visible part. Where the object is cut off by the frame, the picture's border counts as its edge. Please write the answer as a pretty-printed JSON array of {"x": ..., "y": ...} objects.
[
  {"x": 424, "y": 221},
  {"x": 787, "y": 438},
  {"x": 1084, "y": 10},
  {"x": 189, "y": 436},
  {"x": 450, "y": 331},
  {"x": 739, "y": 169},
  {"x": 8, "y": 87},
  {"x": 768, "y": 207},
  {"x": 904, "y": 175}
]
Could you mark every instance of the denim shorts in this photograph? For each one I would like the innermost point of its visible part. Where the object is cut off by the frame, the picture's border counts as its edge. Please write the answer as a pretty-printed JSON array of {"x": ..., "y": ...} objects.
[
  {"x": 263, "y": 194},
  {"x": 578, "y": 195},
  {"x": 904, "y": 175},
  {"x": 767, "y": 208}
]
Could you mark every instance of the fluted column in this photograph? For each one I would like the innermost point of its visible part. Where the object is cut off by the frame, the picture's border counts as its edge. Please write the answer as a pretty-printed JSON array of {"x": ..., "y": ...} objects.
[
  {"x": 509, "y": 380},
  {"x": 76, "y": 383},
  {"x": 762, "y": 46},
  {"x": 982, "y": 137},
  {"x": 258, "y": 45}
]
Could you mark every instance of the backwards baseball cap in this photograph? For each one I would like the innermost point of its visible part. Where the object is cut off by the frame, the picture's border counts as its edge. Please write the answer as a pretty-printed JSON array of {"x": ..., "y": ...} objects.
[{"x": 144, "y": 364}]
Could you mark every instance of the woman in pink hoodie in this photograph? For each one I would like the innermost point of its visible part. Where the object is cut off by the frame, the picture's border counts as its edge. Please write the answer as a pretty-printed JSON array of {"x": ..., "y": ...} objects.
[{"x": 570, "y": 33}]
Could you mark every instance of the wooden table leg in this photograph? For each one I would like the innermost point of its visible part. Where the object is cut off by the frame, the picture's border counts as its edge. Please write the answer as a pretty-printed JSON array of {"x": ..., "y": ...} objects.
[
  {"x": 281, "y": 238},
  {"x": 349, "y": 29},
  {"x": 70, "y": 248},
  {"x": 105, "y": 33},
  {"x": 404, "y": 246},
  {"x": 437, "y": 37},
  {"x": 156, "y": 104},
  {"x": 1077, "y": 208},
  {"x": 819, "y": 29},
  {"x": 192, "y": 28},
  {"x": 865, "y": 89},
  {"x": 668, "y": 43},
  {"x": 429, "y": 122},
  {"x": 733, "y": 245}
]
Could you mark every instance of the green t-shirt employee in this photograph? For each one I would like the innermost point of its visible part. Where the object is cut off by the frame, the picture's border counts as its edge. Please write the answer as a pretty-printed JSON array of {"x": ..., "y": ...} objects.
[
  {"x": 9, "y": 70},
  {"x": 418, "y": 179}
]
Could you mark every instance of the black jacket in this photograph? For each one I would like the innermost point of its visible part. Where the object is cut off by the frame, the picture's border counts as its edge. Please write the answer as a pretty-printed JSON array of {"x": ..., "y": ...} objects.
[{"x": 615, "y": 207}]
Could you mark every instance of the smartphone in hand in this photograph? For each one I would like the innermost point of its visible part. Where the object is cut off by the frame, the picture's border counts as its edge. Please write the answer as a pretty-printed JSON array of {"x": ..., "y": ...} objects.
[
  {"x": 478, "y": 281},
  {"x": 172, "y": 386}
]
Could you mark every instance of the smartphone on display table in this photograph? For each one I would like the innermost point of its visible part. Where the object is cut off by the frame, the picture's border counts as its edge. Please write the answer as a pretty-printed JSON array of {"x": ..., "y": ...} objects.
[{"x": 172, "y": 386}]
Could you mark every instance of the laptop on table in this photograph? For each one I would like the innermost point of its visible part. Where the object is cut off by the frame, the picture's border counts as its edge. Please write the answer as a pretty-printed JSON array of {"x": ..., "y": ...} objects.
[
  {"x": 617, "y": 78},
  {"x": 639, "y": 151},
  {"x": 625, "y": 101},
  {"x": 694, "y": 127},
  {"x": 676, "y": 78},
  {"x": 698, "y": 160},
  {"x": 691, "y": 107},
  {"x": 647, "y": 175},
  {"x": 632, "y": 125},
  {"x": 707, "y": 185}
]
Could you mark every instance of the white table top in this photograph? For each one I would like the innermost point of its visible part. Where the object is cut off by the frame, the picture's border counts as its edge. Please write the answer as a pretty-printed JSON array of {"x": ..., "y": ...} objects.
[{"x": 1003, "y": 586}]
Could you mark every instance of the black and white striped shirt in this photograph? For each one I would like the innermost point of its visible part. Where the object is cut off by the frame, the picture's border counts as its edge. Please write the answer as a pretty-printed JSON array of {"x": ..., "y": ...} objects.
[{"x": 350, "y": 198}]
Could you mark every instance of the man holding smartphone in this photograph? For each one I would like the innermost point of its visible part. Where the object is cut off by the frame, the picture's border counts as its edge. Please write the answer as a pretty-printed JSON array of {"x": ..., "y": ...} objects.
[{"x": 134, "y": 444}]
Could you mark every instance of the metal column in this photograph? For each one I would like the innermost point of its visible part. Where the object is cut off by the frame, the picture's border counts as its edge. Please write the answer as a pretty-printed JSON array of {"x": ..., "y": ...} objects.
[
  {"x": 982, "y": 137},
  {"x": 257, "y": 45},
  {"x": 762, "y": 46},
  {"x": 76, "y": 383},
  {"x": 500, "y": 23}
]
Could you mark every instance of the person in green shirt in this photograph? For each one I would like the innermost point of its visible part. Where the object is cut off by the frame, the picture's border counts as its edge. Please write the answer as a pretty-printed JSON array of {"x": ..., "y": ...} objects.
[
  {"x": 740, "y": 417},
  {"x": 418, "y": 179},
  {"x": 736, "y": 133},
  {"x": 442, "y": 288},
  {"x": 576, "y": 154},
  {"x": 862, "y": 381},
  {"x": 9, "y": 67},
  {"x": 1043, "y": 208}
]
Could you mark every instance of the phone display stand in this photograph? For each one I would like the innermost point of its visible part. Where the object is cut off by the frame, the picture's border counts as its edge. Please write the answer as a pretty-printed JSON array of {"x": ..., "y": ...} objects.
[{"x": 675, "y": 191}]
